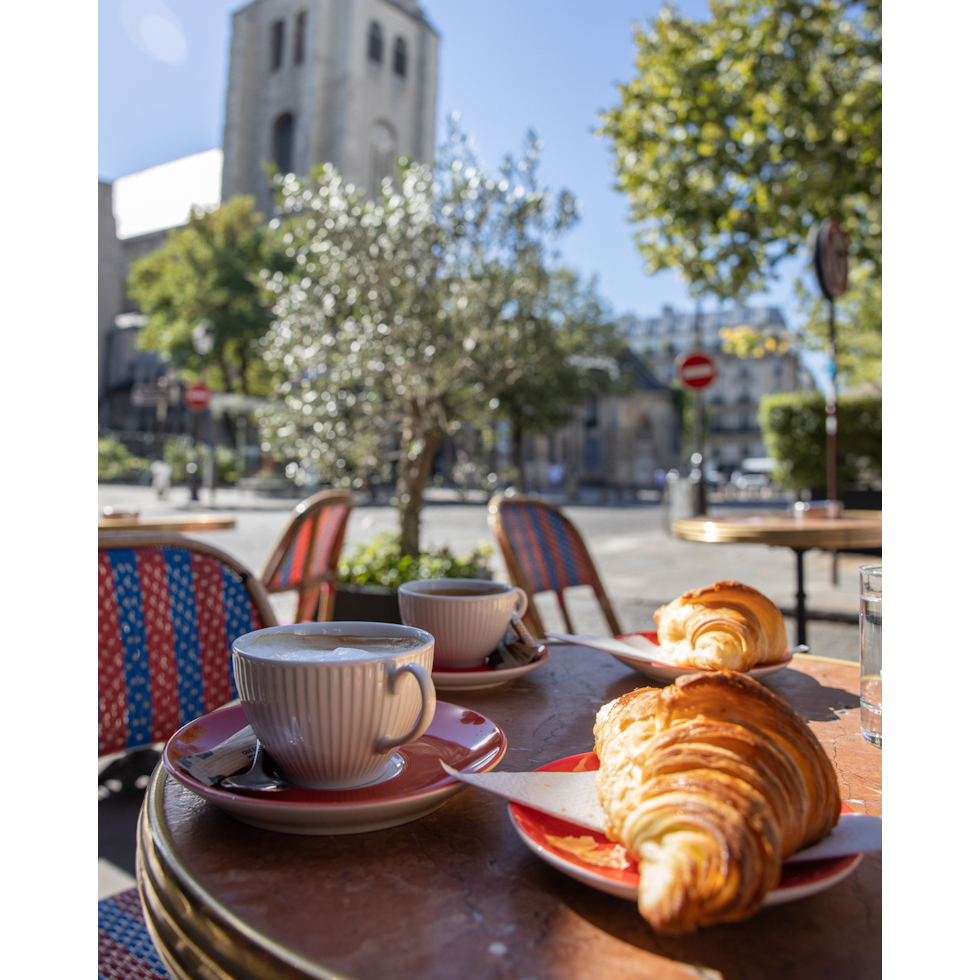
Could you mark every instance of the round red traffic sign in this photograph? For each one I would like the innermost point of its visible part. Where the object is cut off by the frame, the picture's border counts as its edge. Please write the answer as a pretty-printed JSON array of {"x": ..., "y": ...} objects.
[
  {"x": 696, "y": 370},
  {"x": 197, "y": 397}
]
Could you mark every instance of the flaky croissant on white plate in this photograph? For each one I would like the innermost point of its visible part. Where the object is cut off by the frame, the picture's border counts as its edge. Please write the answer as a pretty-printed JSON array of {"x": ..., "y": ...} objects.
[
  {"x": 709, "y": 784},
  {"x": 725, "y": 625}
]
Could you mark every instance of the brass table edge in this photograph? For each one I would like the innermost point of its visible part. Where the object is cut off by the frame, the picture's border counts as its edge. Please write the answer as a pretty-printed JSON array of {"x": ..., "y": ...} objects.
[
  {"x": 166, "y": 883},
  {"x": 826, "y": 660}
]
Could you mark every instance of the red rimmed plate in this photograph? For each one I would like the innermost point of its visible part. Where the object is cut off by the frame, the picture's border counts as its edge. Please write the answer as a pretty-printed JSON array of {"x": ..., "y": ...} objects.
[
  {"x": 482, "y": 677},
  {"x": 647, "y": 643},
  {"x": 465, "y": 739},
  {"x": 534, "y": 827}
]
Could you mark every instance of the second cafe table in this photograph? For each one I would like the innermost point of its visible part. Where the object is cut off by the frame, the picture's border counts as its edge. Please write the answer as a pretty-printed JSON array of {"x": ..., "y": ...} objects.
[
  {"x": 456, "y": 894},
  {"x": 800, "y": 534}
]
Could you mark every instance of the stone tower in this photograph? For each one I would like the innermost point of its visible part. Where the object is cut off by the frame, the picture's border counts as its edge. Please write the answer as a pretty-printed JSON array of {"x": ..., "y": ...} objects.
[{"x": 350, "y": 82}]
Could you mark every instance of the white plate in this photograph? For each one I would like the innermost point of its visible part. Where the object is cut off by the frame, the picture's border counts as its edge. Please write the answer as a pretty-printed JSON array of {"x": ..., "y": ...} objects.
[
  {"x": 798, "y": 881},
  {"x": 480, "y": 678},
  {"x": 654, "y": 669},
  {"x": 415, "y": 787}
]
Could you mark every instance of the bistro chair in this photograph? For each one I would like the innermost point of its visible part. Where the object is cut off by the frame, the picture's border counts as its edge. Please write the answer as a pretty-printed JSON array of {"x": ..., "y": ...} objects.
[
  {"x": 544, "y": 552},
  {"x": 305, "y": 559},
  {"x": 169, "y": 609}
]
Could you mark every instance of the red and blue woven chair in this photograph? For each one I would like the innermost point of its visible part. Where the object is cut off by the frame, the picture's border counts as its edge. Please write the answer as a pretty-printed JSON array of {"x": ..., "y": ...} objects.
[
  {"x": 305, "y": 559},
  {"x": 544, "y": 552},
  {"x": 169, "y": 609}
]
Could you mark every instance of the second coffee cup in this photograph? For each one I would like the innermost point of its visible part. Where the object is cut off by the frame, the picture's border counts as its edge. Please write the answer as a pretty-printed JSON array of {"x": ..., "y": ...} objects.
[{"x": 468, "y": 617}]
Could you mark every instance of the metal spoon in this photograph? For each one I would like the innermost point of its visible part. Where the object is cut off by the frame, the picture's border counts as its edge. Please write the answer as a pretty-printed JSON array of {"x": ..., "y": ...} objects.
[{"x": 256, "y": 778}]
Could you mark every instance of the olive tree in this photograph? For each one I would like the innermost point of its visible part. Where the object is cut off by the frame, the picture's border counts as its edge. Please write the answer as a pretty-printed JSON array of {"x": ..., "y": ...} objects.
[{"x": 406, "y": 313}]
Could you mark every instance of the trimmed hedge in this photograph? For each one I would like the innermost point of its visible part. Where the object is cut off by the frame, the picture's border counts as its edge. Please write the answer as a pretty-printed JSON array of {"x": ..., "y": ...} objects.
[{"x": 794, "y": 429}]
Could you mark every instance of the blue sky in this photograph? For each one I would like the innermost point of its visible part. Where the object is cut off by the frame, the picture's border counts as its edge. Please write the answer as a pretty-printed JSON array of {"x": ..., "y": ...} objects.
[{"x": 504, "y": 65}]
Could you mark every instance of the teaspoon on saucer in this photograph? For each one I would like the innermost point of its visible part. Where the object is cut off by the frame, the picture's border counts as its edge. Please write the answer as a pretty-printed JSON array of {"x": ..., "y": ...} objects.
[{"x": 256, "y": 778}]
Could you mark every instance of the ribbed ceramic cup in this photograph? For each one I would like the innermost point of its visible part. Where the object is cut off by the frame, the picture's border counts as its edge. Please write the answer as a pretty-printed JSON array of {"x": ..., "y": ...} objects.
[
  {"x": 466, "y": 627},
  {"x": 335, "y": 724}
]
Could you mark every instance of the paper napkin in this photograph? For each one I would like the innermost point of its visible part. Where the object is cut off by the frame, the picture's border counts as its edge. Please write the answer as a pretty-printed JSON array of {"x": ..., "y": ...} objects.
[
  {"x": 224, "y": 759},
  {"x": 572, "y": 796}
]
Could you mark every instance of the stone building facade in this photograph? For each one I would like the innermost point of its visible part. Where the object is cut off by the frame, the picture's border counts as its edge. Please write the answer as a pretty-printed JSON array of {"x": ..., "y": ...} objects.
[
  {"x": 615, "y": 442},
  {"x": 732, "y": 430},
  {"x": 350, "y": 82}
]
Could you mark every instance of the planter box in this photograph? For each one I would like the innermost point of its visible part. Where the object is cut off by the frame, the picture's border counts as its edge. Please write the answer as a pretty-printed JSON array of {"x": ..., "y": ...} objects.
[{"x": 366, "y": 604}]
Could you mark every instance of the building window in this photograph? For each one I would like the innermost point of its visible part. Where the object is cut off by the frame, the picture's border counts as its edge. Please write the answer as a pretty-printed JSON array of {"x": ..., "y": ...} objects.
[
  {"x": 375, "y": 43},
  {"x": 401, "y": 57},
  {"x": 278, "y": 41},
  {"x": 382, "y": 153},
  {"x": 299, "y": 38},
  {"x": 282, "y": 143},
  {"x": 592, "y": 411},
  {"x": 591, "y": 453}
]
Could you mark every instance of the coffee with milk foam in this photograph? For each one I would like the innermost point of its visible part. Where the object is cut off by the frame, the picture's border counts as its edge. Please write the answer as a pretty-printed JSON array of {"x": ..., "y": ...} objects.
[{"x": 319, "y": 648}]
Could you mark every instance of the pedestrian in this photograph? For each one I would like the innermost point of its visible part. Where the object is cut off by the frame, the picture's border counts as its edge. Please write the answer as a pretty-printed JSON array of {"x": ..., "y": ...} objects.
[{"x": 161, "y": 472}]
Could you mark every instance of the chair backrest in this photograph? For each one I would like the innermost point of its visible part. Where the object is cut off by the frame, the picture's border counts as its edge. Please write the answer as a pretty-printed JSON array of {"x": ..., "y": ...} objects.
[
  {"x": 169, "y": 609},
  {"x": 544, "y": 552},
  {"x": 306, "y": 556}
]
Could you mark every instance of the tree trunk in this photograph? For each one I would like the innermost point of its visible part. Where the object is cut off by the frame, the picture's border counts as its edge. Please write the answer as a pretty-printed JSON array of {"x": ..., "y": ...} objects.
[
  {"x": 413, "y": 474},
  {"x": 517, "y": 441}
]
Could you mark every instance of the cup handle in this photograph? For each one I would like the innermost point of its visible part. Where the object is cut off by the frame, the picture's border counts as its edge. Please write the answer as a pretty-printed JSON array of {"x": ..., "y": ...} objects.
[
  {"x": 428, "y": 705},
  {"x": 523, "y": 597}
]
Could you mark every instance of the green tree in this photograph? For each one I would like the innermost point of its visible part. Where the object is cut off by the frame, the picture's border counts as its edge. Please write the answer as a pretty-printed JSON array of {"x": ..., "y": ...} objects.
[
  {"x": 401, "y": 309},
  {"x": 738, "y": 133},
  {"x": 858, "y": 325},
  {"x": 203, "y": 294},
  {"x": 558, "y": 352}
]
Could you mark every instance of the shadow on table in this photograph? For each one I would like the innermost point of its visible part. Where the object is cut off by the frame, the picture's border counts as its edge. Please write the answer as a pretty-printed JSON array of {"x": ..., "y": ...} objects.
[
  {"x": 811, "y": 699},
  {"x": 829, "y": 931}
]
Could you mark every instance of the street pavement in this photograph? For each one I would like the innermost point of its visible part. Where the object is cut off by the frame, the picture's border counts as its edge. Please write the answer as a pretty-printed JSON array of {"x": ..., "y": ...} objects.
[{"x": 641, "y": 565}]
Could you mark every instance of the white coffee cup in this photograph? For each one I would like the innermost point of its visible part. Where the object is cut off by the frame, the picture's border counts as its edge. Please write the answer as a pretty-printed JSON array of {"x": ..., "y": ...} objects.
[
  {"x": 467, "y": 616},
  {"x": 330, "y": 702}
]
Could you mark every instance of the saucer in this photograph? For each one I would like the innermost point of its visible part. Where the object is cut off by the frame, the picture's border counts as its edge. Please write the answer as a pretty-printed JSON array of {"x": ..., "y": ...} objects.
[
  {"x": 467, "y": 740},
  {"x": 798, "y": 880},
  {"x": 647, "y": 643},
  {"x": 482, "y": 677}
]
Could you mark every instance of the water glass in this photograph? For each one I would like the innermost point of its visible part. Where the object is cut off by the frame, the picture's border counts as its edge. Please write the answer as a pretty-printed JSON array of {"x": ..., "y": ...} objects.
[{"x": 871, "y": 653}]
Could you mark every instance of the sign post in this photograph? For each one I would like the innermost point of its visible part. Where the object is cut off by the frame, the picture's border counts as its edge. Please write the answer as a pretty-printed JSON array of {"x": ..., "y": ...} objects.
[
  {"x": 197, "y": 397},
  {"x": 696, "y": 370},
  {"x": 828, "y": 243}
]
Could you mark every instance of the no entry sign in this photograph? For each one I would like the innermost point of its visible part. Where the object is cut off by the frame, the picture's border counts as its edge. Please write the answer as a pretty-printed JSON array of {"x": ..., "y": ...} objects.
[
  {"x": 197, "y": 397},
  {"x": 696, "y": 370}
]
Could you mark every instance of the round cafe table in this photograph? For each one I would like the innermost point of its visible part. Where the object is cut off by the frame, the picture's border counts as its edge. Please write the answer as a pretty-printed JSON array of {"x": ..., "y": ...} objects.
[
  {"x": 800, "y": 534},
  {"x": 168, "y": 522},
  {"x": 457, "y": 894}
]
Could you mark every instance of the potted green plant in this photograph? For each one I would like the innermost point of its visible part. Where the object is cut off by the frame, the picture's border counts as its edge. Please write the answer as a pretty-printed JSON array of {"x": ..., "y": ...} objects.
[{"x": 369, "y": 575}]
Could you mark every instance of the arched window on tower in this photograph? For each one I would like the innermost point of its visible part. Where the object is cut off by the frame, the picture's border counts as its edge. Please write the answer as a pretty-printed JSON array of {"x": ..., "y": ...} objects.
[
  {"x": 299, "y": 38},
  {"x": 401, "y": 57},
  {"x": 278, "y": 39},
  {"x": 375, "y": 43},
  {"x": 282, "y": 143}
]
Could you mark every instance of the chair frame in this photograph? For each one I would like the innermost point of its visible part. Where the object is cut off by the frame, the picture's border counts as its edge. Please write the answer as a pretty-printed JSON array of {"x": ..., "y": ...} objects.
[
  {"x": 316, "y": 593},
  {"x": 516, "y": 574}
]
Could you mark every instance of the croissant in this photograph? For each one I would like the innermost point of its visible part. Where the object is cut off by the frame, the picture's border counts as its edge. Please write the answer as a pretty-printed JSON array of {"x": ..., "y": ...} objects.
[
  {"x": 726, "y": 625},
  {"x": 710, "y": 784}
]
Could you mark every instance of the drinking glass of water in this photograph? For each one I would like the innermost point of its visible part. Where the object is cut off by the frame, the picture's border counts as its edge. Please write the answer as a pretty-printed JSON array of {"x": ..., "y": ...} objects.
[{"x": 871, "y": 653}]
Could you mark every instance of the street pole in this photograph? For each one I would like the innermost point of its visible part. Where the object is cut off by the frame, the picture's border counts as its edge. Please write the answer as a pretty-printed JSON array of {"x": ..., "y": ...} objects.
[
  {"x": 697, "y": 457},
  {"x": 832, "y": 409}
]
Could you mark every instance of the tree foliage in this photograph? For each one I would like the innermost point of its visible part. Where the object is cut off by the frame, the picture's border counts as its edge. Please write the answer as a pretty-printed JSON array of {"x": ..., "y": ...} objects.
[
  {"x": 408, "y": 314},
  {"x": 203, "y": 294},
  {"x": 858, "y": 327},
  {"x": 738, "y": 133}
]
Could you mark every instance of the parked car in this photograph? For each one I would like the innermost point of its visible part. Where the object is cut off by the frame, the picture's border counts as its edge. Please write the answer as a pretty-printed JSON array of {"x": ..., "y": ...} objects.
[{"x": 752, "y": 481}]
